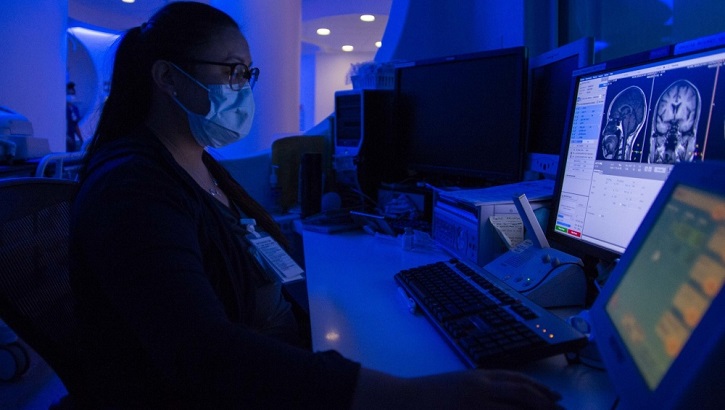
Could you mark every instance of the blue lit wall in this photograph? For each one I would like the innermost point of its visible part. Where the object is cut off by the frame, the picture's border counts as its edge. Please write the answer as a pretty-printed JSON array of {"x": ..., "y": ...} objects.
[
  {"x": 425, "y": 29},
  {"x": 32, "y": 73}
]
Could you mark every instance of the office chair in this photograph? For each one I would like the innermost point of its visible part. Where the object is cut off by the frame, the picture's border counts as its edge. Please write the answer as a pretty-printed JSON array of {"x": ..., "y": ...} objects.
[
  {"x": 35, "y": 294},
  {"x": 62, "y": 164}
]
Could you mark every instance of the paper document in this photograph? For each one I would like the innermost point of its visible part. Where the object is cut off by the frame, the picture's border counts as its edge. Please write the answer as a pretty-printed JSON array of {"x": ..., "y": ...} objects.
[{"x": 509, "y": 227}]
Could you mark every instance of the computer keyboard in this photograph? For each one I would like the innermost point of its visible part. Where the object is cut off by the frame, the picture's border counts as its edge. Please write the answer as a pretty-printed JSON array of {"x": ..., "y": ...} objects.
[{"x": 486, "y": 322}]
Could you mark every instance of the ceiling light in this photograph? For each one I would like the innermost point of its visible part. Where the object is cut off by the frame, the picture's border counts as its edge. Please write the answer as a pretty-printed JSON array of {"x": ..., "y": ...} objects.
[
  {"x": 378, "y": 44},
  {"x": 367, "y": 17},
  {"x": 128, "y": 1},
  {"x": 347, "y": 48},
  {"x": 323, "y": 31}
]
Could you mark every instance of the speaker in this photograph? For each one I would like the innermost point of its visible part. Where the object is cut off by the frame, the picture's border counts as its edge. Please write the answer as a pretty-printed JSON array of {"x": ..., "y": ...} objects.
[{"x": 310, "y": 183}]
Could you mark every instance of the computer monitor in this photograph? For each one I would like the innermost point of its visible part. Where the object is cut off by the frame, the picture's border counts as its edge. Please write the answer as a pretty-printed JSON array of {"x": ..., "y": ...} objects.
[
  {"x": 364, "y": 144},
  {"x": 628, "y": 127},
  {"x": 461, "y": 119},
  {"x": 658, "y": 320},
  {"x": 550, "y": 83}
]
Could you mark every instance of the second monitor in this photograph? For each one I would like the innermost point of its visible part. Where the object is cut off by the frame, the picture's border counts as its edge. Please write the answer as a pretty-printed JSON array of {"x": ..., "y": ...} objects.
[
  {"x": 628, "y": 127},
  {"x": 460, "y": 119},
  {"x": 550, "y": 83}
]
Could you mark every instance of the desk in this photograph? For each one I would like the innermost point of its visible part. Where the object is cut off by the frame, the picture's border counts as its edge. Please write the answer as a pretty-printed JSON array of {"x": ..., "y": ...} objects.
[{"x": 355, "y": 309}]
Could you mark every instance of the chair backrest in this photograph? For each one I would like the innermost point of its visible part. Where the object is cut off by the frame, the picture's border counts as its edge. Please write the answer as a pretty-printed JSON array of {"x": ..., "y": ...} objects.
[
  {"x": 64, "y": 165},
  {"x": 35, "y": 295}
]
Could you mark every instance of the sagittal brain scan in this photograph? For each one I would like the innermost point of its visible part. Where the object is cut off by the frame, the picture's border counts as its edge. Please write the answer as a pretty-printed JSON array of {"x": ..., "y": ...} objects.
[
  {"x": 674, "y": 126},
  {"x": 625, "y": 118}
]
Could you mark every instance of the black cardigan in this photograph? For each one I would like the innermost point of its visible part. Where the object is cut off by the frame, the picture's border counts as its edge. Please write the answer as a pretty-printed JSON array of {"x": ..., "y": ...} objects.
[{"x": 166, "y": 295}]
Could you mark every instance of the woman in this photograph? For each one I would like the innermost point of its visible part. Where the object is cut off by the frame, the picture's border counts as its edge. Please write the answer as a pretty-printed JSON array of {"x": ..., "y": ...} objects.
[{"x": 177, "y": 312}]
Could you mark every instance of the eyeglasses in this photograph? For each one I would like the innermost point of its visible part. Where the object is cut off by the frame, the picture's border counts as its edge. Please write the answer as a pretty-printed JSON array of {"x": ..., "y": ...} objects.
[{"x": 239, "y": 73}]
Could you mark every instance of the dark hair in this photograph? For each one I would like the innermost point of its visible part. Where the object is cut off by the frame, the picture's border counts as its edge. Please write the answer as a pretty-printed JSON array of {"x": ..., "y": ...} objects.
[{"x": 170, "y": 34}]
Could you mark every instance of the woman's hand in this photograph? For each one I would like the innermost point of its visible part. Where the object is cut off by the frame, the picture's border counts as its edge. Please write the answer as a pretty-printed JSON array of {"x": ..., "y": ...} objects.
[{"x": 472, "y": 389}]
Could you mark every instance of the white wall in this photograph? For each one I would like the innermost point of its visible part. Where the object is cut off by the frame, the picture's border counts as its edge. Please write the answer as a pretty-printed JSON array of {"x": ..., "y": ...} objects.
[
  {"x": 330, "y": 76},
  {"x": 273, "y": 29},
  {"x": 428, "y": 29},
  {"x": 32, "y": 73},
  {"x": 307, "y": 90}
]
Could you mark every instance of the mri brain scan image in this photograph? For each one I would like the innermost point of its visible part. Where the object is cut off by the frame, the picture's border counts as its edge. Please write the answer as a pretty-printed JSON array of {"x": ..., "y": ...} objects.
[
  {"x": 625, "y": 119},
  {"x": 674, "y": 126}
]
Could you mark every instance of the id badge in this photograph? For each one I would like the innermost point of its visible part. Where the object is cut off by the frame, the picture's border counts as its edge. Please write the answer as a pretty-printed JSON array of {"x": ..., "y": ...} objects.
[{"x": 274, "y": 256}]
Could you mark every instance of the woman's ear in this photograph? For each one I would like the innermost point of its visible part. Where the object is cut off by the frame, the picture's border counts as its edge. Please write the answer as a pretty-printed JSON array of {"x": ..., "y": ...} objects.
[{"x": 162, "y": 73}]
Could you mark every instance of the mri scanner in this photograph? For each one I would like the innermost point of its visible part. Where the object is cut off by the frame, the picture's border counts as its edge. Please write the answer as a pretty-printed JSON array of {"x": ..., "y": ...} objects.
[{"x": 16, "y": 138}]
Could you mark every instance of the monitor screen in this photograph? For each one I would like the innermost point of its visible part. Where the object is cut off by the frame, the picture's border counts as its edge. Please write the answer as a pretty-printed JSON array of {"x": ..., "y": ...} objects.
[
  {"x": 658, "y": 321},
  {"x": 348, "y": 122},
  {"x": 550, "y": 83},
  {"x": 636, "y": 300},
  {"x": 462, "y": 118},
  {"x": 627, "y": 128}
]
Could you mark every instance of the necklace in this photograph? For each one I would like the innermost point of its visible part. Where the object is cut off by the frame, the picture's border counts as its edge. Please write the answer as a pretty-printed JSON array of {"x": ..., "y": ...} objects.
[{"x": 213, "y": 190}]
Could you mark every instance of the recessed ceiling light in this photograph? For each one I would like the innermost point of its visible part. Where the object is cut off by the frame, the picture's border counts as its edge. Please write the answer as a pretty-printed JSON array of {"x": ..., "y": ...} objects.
[
  {"x": 367, "y": 17},
  {"x": 378, "y": 44},
  {"x": 347, "y": 48},
  {"x": 128, "y": 1},
  {"x": 323, "y": 31}
]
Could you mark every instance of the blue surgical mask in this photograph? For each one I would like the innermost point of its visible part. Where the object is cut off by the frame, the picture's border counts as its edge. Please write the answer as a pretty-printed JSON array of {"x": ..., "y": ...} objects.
[{"x": 229, "y": 118}]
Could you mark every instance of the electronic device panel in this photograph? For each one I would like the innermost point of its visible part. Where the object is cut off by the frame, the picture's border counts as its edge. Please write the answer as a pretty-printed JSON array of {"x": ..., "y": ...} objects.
[
  {"x": 463, "y": 117},
  {"x": 627, "y": 128},
  {"x": 658, "y": 320},
  {"x": 550, "y": 84}
]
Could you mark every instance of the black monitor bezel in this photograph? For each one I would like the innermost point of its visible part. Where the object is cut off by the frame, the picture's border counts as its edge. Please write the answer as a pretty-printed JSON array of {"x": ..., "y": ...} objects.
[
  {"x": 461, "y": 175},
  {"x": 583, "y": 50},
  {"x": 580, "y": 248}
]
